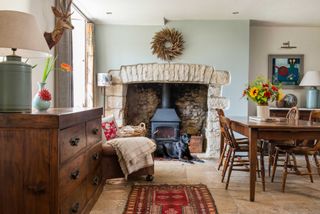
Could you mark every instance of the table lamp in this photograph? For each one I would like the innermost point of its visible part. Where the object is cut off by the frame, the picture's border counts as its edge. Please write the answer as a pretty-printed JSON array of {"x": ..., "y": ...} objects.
[
  {"x": 311, "y": 79},
  {"x": 20, "y": 36},
  {"x": 104, "y": 80}
]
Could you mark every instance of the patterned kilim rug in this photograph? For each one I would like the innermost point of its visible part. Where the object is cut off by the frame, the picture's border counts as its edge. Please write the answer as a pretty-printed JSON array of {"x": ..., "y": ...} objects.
[{"x": 170, "y": 199}]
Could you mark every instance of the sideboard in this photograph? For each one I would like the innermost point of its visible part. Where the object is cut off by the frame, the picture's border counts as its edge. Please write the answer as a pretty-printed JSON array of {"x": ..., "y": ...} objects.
[
  {"x": 50, "y": 162},
  {"x": 282, "y": 112}
]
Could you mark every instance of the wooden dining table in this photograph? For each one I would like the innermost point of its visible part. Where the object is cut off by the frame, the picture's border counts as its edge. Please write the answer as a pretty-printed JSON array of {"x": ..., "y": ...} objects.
[{"x": 286, "y": 130}]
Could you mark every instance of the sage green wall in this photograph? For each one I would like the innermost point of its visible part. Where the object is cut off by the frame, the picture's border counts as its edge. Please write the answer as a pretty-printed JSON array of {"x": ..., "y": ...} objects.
[{"x": 222, "y": 44}]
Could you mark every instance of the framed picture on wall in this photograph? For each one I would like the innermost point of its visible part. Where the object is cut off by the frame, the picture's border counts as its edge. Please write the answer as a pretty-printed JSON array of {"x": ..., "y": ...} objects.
[{"x": 285, "y": 69}]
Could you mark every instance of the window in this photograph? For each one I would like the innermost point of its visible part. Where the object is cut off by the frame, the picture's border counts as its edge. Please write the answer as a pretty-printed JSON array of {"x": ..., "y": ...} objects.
[{"x": 79, "y": 57}]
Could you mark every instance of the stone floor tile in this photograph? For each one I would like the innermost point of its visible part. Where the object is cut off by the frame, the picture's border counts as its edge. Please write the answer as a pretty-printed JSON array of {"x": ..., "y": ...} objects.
[{"x": 301, "y": 195}]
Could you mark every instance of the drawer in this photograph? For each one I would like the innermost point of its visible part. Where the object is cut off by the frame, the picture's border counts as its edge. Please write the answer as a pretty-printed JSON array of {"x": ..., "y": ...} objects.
[
  {"x": 72, "y": 174},
  {"x": 71, "y": 141},
  {"x": 93, "y": 128},
  {"x": 94, "y": 181},
  {"x": 94, "y": 157},
  {"x": 75, "y": 202}
]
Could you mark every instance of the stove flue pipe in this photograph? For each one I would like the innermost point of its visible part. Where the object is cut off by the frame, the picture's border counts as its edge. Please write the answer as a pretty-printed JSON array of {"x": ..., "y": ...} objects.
[{"x": 165, "y": 95}]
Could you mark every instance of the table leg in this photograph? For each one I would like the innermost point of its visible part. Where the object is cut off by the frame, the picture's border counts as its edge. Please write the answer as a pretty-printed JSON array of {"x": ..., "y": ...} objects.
[{"x": 253, "y": 161}]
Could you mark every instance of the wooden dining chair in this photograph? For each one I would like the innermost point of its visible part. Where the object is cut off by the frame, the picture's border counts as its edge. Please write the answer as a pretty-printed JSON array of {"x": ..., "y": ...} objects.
[
  {"x": 237, "y": 154},
  {"x": 306, "y": 149},
  {"x": 314, "y": 117},
  {"x": 293, "y": 114},
  {"x": 298, "y": 150},
  {"x": 242, "y": 141}
]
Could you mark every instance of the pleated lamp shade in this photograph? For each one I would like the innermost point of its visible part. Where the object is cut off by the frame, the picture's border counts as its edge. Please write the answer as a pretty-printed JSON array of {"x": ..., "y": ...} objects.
[
  {"x": 311, "y": 78},
  {"x": 21, "y": 31}
]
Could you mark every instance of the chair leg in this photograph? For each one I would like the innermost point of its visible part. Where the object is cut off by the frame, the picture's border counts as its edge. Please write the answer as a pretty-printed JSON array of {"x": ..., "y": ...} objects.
[
  {"x": 222, "y": 156},
  {"x": 309, "y": 167},
  {"x": 226, "y": 164},
  {"x": 262, "y": 171},
  {"x": 317, "y": 163},
  {"x": 230, "y": 169},
  {"x": 274, "y": 166},
  {"x": 295, "y": 165},
  {"x": 285, "y": 172},
  {"x": 271, "y": 154},
  {"x": 258, "y": 168}
]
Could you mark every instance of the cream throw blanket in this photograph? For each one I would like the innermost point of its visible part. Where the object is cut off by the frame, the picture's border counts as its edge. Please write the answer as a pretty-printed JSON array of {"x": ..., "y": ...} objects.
[{"x": 133, "y": 153}]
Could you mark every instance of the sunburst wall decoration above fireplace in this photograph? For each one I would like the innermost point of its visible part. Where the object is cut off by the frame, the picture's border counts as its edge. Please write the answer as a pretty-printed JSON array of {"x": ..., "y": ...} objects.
[{"x": 167, "y": 44}]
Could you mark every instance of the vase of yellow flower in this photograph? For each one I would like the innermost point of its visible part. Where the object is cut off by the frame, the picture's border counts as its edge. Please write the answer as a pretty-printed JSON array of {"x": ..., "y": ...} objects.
[
  {"x": 261, "y": 92},
  {"x": 263, "y": 111}
]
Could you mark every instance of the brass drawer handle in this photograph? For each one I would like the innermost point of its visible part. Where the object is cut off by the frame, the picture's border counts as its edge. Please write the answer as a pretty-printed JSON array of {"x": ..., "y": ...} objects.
[
  {"x": 96, "y": 156},
  {"x": 96, "y": 180},
  {"x": 37, "y": 189},
  {"x": 95, "y": 131},
  {"x": 74, "y": 141},
  {"x": 75, "y": 174},
  {"x": 75, "y": 207}
]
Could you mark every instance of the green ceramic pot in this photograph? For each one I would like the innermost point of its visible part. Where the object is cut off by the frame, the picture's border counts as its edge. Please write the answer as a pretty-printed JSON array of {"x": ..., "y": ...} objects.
[
  {"x": 37, "y": 102},
  {"x": 15, "y": 85}
]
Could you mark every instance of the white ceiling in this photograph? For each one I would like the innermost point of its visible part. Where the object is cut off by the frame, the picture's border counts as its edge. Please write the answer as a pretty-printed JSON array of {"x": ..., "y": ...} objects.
[{"x": 151, "y": 12}]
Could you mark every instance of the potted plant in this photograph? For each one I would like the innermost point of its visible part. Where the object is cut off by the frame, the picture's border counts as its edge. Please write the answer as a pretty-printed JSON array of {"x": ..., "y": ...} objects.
[
  {"x": 261, "y": 91},
  {"x": 42, "y": 99}
]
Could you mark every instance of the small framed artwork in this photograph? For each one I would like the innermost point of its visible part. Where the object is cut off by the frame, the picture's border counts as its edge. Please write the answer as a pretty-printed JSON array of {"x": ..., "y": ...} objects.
[{"x": 285, "y": 69}]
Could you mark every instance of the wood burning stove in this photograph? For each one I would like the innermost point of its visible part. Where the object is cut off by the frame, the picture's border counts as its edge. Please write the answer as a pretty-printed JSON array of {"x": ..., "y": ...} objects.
[{"x": 165, "y": 123}]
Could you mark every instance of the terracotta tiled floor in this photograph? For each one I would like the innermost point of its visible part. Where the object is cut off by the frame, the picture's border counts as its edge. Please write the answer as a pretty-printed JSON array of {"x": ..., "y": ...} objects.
[{"x": 301, "y": 195}]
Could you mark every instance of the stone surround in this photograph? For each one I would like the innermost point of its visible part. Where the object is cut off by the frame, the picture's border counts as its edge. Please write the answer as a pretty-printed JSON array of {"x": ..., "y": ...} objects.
[{"x": 171, "y": 73}]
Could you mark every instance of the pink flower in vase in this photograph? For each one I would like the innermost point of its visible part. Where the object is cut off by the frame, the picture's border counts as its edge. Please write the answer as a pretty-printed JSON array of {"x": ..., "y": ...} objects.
[{"x": 44, "y": 94}]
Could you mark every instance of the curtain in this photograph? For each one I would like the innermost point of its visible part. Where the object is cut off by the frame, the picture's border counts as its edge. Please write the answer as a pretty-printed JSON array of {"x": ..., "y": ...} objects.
[
  {"x": 90, "y": 80},
  {"x": 63, "y": 81}
]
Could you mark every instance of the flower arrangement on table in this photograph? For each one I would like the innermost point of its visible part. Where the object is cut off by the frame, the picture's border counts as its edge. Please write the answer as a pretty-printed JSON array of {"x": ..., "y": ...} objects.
[
  {"x": 41, "y": 100},
  {"x": 262, "y": 91}
]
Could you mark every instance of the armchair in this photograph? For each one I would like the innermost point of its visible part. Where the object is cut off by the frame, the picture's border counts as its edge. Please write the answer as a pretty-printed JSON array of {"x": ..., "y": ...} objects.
[{"x": 110, "y": 164}]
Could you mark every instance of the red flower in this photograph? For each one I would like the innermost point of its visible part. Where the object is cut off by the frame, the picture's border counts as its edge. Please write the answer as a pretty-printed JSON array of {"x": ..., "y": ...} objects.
[
  {"x": 267, "y": 94},
  {"x": 45, "y": 95},
  {"x": 265, "y": 85},
  {"x": 274, "y": 88}
]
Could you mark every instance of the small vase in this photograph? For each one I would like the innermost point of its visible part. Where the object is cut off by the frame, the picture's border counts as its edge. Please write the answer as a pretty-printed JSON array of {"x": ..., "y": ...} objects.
[
  {"x": 37, "y": 102},
  {"x": 263, "y": 111}
]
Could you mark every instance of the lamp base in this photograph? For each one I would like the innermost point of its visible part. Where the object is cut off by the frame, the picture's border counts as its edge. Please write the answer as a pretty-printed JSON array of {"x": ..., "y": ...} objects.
[
  {"x": 312, "y": 97},
  {"x": 15, "y": 85}
]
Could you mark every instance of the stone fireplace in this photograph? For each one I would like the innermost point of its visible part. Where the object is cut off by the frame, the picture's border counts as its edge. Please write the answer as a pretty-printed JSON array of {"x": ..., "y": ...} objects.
[{"x": 136, "y": 93}]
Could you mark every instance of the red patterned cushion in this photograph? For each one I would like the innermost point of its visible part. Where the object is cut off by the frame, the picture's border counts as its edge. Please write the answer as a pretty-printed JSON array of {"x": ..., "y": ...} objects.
[{"x": 109, "y": 129}]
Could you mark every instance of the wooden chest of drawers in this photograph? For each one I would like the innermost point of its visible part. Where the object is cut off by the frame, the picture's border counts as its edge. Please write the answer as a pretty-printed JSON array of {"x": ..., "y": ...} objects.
[{"x": 50, "y": 162}]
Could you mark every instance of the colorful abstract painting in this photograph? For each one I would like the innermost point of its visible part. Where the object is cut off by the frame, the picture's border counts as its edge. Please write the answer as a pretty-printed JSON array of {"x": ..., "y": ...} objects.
[{"x": 286, "y": 69}]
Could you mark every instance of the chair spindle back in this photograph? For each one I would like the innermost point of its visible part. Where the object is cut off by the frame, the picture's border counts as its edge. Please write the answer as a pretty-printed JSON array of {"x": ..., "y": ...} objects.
[
  {"x": 293, "y": 114},
  {"x": 315, "y": 117},
  {"x": 220, "y": 113},
  {"x": 227, "y": 132}
]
